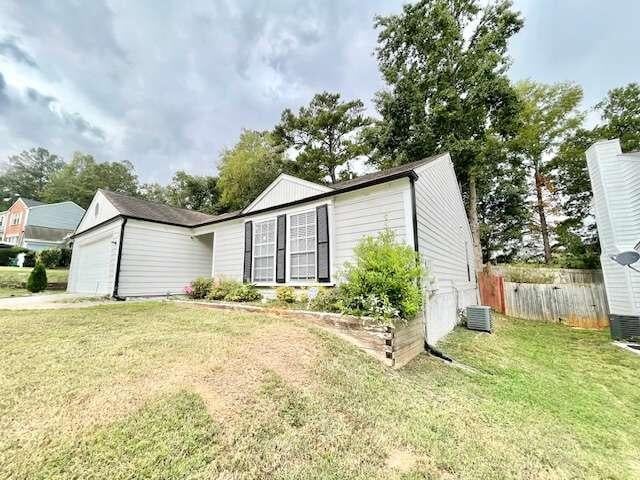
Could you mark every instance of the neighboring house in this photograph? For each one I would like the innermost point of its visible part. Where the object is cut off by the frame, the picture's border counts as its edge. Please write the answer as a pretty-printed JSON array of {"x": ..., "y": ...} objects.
[
  {"x": 615, "y": 181},
  {"x": 3, "y": 219},
  {"x": 37, "y": 225},
  {"x": 294, "y": 233}
]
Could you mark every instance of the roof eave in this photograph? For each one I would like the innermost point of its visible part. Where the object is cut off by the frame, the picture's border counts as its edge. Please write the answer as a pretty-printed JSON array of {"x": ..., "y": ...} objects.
[{"x": 406, "y": 174}]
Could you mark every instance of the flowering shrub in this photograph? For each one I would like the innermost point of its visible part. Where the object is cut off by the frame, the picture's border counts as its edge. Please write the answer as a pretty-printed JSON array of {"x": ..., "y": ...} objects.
[{"x": 384, "y": 281}]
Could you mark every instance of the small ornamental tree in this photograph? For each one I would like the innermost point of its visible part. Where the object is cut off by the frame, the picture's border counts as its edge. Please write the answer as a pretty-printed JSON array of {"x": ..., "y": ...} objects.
[
  {"x": 384, "y": 281},
  {"x": 37, "y": 280}
]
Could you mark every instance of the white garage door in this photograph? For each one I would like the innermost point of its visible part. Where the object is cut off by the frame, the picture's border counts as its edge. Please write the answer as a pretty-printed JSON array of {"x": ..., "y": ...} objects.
[{"x": 91, "y": 272}]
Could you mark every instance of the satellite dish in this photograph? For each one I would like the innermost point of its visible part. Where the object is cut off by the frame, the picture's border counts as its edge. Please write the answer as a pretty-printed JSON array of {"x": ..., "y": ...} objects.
[{"x": 626, "y": 258}]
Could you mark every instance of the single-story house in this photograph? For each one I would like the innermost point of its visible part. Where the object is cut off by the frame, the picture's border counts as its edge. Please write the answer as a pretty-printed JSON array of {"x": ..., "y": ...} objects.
[
  {"x": 615, "y": 181},
  {"x": 37, "y": 226},
  {"x": 295, "y": 233}
]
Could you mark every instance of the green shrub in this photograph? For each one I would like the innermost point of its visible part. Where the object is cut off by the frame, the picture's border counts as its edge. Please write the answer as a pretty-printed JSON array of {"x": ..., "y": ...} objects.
[
  {"x": 243, "y": 292},
  {"x": 221, "y": 288},
  {"x": 199, "y": 288},
  {"x": 37, "y": 280},
  {"x": 384, "y": 281},
  {"x": 325, "y": 300},
  {"x": 65, "y": 258},
  {"x": 8, "y": 255},
  {"x": 29, "y": 259},
  {"x": 50, "y": 257},
  {"x": 286, "y": 294},
  {"x": 303, "y": 296}
]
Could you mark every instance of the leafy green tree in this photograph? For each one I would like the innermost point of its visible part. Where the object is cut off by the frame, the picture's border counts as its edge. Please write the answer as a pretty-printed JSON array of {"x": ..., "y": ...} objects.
[
  {"x": 247, "y": 169},
  {"x": 79, "y": 179},
  {"x": 324, "y": 135},
  {"x": 194, "y": 192},
  {"x": 621, "y": 116},
  {"x": 27, "y": 174},
  {"x": 445, "y": 63},
  {"x": 549, "y": 115}
]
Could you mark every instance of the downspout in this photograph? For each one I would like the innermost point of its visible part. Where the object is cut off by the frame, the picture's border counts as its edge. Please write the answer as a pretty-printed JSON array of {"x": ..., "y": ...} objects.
[
  {"x": 118, "y": 260},
  {"x": 430, "y": 349}
]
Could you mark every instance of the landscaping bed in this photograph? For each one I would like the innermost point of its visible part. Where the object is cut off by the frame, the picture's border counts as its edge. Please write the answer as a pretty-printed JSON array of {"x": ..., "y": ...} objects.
[{"x": 393, "y": 345}]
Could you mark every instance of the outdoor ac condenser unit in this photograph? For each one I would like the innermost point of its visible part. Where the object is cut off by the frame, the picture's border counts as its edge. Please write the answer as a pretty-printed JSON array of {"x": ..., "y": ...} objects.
[{"x": 479, "y": 318}]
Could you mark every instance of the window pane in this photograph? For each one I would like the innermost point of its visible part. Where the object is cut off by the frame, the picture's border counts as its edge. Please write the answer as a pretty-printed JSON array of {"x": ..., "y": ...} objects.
[
  {"x": 302, "y": 244},
  {"x": 264, "y": 251}
]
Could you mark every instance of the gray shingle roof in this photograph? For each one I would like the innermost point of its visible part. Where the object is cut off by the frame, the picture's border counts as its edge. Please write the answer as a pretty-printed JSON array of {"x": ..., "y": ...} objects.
[
  {"x": 29, "y": 202},
  {"x": 45, "y": 233},
  {"x": 389, "y": 172},
  {"x": 143, "y": 209}
]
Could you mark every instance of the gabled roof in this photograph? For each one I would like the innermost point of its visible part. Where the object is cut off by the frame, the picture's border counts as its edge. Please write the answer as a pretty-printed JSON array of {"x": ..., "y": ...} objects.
[
  {"x": 145, "y": 210},
  {"x": 384, "y": 174},
  {"x": 29, "y": 202},
  {"x": 308, "y": 189},
  {"x": 138, "y": 208},
  {"x": 406, "y": 170},
  {"x": 47, "y": 234}
]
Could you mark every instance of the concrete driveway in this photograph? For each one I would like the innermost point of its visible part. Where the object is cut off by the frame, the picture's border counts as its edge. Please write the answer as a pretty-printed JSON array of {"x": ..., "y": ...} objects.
[{"x": 50, "y": 301}]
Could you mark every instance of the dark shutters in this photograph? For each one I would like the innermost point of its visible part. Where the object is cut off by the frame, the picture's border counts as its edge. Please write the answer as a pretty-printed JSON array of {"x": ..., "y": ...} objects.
[
  {"x": 281, "y": 249},
  {"x": 322, "y": 236},
  {"x": 248, "y": 241}
]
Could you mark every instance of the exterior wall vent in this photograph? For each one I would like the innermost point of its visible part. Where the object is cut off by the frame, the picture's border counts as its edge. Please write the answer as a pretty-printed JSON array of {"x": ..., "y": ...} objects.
[{"x": 479, "y": 318}]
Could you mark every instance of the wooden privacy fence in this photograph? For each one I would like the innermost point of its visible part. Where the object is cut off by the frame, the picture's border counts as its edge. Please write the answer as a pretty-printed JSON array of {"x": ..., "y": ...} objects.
[
  {"x": 576, "y": 304},
  {"x": 492, "y": 291}
]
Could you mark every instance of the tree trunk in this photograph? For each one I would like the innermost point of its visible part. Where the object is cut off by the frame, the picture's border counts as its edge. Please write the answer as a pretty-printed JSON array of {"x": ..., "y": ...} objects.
[
  {"x": 544, "y": 228},
  {"x": 475, "y": 224}
]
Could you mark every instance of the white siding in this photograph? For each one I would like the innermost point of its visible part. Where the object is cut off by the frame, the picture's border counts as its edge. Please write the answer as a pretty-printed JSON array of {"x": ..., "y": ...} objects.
[
  {"x": 367, "y": 212},
  {"x": 81, "y": 278},
  {"x": 444, "y": 241},
  {"x": 286, "y": 189},
  {"x": 615, "y": 180},
  {"x": 159, "y": 259},
  {"x": 228, "y": 258},
  {"x": 105, "y": 211}
]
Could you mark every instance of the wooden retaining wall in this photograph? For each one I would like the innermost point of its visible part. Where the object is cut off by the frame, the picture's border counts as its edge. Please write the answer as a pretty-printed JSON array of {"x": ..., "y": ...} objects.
[
  {"x": 393, "y": 346},
  {"x": 577, "y": 305}
]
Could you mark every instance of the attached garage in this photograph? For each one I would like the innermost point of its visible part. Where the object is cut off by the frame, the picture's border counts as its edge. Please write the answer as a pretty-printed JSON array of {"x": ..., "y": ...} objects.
[
  {"x": 94, "y": 260},
  {"x": 128, "y": 247}
]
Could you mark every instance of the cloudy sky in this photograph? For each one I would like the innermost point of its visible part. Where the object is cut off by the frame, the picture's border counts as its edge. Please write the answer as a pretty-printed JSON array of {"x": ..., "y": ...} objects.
[{"x": 168, "y": 86}]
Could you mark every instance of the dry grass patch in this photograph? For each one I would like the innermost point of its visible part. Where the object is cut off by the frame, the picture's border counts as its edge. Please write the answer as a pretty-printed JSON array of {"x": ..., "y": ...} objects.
[{"x": 159, "y": 390}]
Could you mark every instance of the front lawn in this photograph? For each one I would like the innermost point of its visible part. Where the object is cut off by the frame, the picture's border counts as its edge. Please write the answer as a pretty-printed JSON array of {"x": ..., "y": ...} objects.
[
  {"x": 160, "y": 390},
  {"x": 18, "y": 275}
]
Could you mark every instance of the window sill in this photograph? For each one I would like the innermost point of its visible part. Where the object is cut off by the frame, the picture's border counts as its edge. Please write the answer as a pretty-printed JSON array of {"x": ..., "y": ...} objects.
[{"x": 294, "y": 284}]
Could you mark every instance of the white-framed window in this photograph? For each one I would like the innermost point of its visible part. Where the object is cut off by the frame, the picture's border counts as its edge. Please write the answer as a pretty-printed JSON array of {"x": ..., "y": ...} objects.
[
  {"x": 12, "y": 240},
  {"x": 302, "y": 246},
  {"x": 15, "y": 218},
  {"x": 264, "y": 251},
  {"x": 1, "y": 220}
]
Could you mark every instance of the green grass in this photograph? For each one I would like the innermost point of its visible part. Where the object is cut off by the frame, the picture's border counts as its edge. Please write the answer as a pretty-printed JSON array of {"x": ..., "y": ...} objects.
[
  {"x": 159, "y": 390},
  {"x": 17, "y": 275}
]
